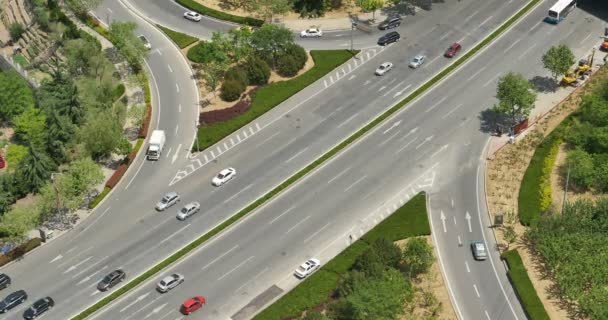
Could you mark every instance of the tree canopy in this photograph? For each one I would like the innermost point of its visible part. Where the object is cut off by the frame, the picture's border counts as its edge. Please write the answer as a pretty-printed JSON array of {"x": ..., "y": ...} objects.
[
  {"x": 558, "y": 59},
  {"x": 15, "y": 97},
  {"x": 515, "y": 97}
]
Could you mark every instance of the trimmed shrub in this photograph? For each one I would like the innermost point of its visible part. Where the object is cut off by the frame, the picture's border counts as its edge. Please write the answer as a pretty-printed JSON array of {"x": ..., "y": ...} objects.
[
  {"x": 16, "y": 29},
  {"x": 298, "y": 53},
  {"x": 523, "y": 286},
  {"x": 237, "y": 73},
  {"x": 118, "y": 91},
  {"x": 287, "y": 66},
  {"x": 545, "y": 186},
  {"x": 133, "y": 153},
  {"x": 231, "y": 90},
  {"x": 207, "y": 52},
  {"x": 99, "y": 197},
  {"x": 115, "y": 178},
  {"x": 19, "y": 251},
  {"x": 195, "y": 6},
  {"x": 258, "y": 71}
]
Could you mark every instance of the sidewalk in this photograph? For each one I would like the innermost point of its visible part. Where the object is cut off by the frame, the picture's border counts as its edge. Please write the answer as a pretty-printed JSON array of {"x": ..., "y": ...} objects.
[{"x": 328, "y": 24}]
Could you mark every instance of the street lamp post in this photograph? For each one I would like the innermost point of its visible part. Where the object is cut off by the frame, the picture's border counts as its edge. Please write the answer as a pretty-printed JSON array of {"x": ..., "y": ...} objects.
[{"x": 353, "y": 24}]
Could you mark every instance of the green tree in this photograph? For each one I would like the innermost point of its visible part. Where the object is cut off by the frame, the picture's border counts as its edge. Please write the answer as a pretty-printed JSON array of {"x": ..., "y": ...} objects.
[
  {"x": 381, "y": 298},
  {"x": 418, "y": 256},
  {"x": 128, "y": 44},
  {"x": 74, "y": 185},
  {"x": 594, "y": 110},
  {"x": 14, "y": 154},
  {"x": 60, "y": 133},
  {"x": 81, "y": 56},
  {"x": 509, "y": 235},
  {"x": 389, "y": 253},
  {"x": 340, "y": 310},
  {"x": 349, "y": 282},
  {"x": 212, "y": 75},
  {"x": 15, "y": 96},
  {"x": 15, "y": 223},
  {"x": 6, "y": 199},
  {"x": 240, "y": 39},
  {"x": 600, "y": 174},
  {"x": 267, "y": 9},
  {"x": 581, "y": 168},
  {"x": 369, "y": 262},
  {"x": 60, "y": 95},
  {"x": 270, "y": 42},
  {"x": 370, "y": 6},
  {"x": 34, "y": 169},
  {"x": 30, "y": 127},
  {"x": 515, "y": 97},
  {"x": 258, "y": 71},
  {"x": 83, "y": 6},
  {"x": 102, "y": 135},
  {"x": 16, "y": 29},
  {"x": 558, "y": 60}
]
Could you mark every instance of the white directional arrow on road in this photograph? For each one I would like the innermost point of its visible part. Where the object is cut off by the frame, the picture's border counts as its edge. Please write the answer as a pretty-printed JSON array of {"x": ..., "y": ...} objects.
[
  {"x": 56, "y": 258},
  {"x": 143, "y": 296},
  {"x": 468, "y": 217},
  {"x": 442, "y": 217},
  {"x": 427, "y": 139},
  {"x": 396, "y": 124},
  {"x": 156, "y": 310},
  {"x": 411, "y": 132}
]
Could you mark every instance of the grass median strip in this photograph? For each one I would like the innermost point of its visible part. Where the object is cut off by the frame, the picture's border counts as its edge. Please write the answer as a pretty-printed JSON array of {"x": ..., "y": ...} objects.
[
  {"x": 523, "y": 286},
  {"x": 181, "y": 39},
  {"x": 304, "y": 171},
  {"x": 197, "y": 7}
]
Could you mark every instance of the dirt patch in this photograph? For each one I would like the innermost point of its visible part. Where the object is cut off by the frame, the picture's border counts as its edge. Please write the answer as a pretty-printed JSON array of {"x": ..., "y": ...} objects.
[
  {"x": 504, "y": 174},
  {"x": 431, "y": 299}
]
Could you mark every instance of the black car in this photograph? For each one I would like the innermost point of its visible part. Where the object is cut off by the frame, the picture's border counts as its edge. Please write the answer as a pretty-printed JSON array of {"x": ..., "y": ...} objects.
[
  {"x": 388, "y": 38},
  {"x": 5, "y": 281},
  {"x": 39, "y": 307},
  {"x": 12, "y": 300},
  {"x": 112, "y": 279},
  {"x": 389, "y": 23}
]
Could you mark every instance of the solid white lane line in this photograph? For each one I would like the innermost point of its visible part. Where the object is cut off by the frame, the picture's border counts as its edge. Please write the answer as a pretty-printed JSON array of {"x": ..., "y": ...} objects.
[
  {"x": 476, "y": 73},
  {"x": 338, "y": 175},
  {"x": 476, "y": 291},
  {"x": 296, "y": 155},
  {"x": 89, "y": 267},
  {"x": 218, "y": 258},
  {"x": 484, "y": 21},
  {"x": 405, "y": 146},
  {"x": 451, "y": 111},
  {"x": 286, "y": 211},
  {"x": 354, "y": 183},
  {"x": 317, "y": 232},
  {"x": 432, "y": 60},
  {"x": 390, "y": 138},
  {"x": 487, "y": 314},
  {"x": 394, "y": 88},
  {"x": 347, "y": 120},
  {"x": 297, "y": 224},
  {"x": 436, "y": 104},
  {"x": 233, "y": 269},
  {"x": 237, "y": 194},
  {"x": 267, "y": 139},
  {"x": 512, "y": 45},
  {"x": 174, "y": 234}
]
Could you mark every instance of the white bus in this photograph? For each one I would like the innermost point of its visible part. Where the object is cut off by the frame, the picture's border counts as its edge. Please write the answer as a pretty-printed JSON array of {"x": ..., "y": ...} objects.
[{"x": 560, "y": 10}]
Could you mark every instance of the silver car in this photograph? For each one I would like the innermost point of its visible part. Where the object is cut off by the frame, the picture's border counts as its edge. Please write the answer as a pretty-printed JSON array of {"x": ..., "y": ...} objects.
[
  {"x": 479, "y": 250},
  {"x": 167, "y": 201},
  {"x": 145, "y": 41},
  {"x": 188, "y": 210},
  {"x": 417, "y": 61},
  {"x": 384, "y": 68},
  {"x": 169, "y": 282},
  {"x": 192, "y": 16}
]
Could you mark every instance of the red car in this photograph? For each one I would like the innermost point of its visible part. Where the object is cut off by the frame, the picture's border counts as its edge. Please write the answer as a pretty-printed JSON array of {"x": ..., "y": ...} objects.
[
  {"x": 2, "y": 162},
  {"x": 452, "y": 50},
  {"x": 192, "y": 305}
]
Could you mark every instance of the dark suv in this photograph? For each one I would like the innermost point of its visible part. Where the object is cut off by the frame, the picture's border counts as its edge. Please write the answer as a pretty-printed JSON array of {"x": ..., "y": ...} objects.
[
  {"x": 39, "y": 307},
  {"x": 389, "y": 23},
  {"x": 113, "y": 278},
  {"x": 5, "y": 281},
  {"x": 388, "y": 38},
  {"x": 12, "y": 300}
]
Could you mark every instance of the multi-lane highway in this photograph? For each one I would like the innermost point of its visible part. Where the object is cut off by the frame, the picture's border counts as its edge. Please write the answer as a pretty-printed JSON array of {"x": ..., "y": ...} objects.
[{"x": 435, "y": 144}]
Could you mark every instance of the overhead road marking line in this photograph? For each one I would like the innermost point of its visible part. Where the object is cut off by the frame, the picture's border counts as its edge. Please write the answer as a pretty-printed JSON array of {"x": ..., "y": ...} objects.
[
  {"x": 438, "y": 151},
  {"x": 143, "y": 296},
  {"x": 233, "y": 269},
  {"x": 394, "y": 88},
  {"x": 219, "y": 257},
  {"x": 72, "y": 268},
  {"x": 296, "y": 225},
  {"x": 317, "y": 232},
  {"x": 476, "y": 291},
  {"x": 447, "y": 34},
  {"x": 405, "y": 146},
  {"x": 338, "y": 175},
  {"x": 401, "y": 91},
  {"x": 476, "y": 73},
  {"x": 585, "y": 39},
  {"x": 491, "y": 80},
  {"x": 87, "y": 278},
  {"x": 390, "y": 138},
  {"x": 177, "y": 87},
  {"x": 427, "y": 139},
  {"x": 451, "y": 111},
  {"x": 442, "y": 217},
  {"x": 436, "y": 104},
  {"x": 175, "y": 233},
  {"x": 512, "y": 45},
  {"x": 466, "y": 265},
  {"x": 286, "y": 211},
  {"x": 355, "y": 183},
  {"x": 394, "y": 125},
  {"x": 430, "y": 62},
  {"x": 237, "y": 194},
  {"x": 347, "y": 120},
  {"x": 487, "y": 314},
  {"x": 484, "y": 22},
  {"x": 89, "y": 267},
  {"x": 471, "y": 16},
  {"x": 296, "y": 155},
  {"x": 536, "y": 25},
  {"x": 170, "y": 70},
  {"x": 381, "y": 88},
  {"x": 144, "y": 307},
  {"x": 268, "y": 139}
]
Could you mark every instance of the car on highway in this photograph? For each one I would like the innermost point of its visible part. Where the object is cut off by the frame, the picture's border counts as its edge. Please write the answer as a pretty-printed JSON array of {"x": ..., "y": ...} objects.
[
  {"x": 111, "y": 279},
  {"x": 311, "y": 33},
  {"x": 145, "y": 41},
  {"x": 193, "y": 16},
  {"x": 479, "y": 250},
  {"x": 223, "y": 177},
  {"x": 307, "y": 268},
  {"x": 389, "y": 38},
  {"x": 39, "y": 307},
  {"x": 192, "y": 305},
  {"x": 417, "y": 61},
  {"x": 169, "y": 282},
  {"x": 12, "y": 300},
  {"x": 453, "y": 50},
  {"x": 5, "y": 281},
  {"x": 390, "y": 22},
  {"x": 168, "y": 200},
  {"x": 384, "y": 68},
  {"x": 188, "y": 210}
]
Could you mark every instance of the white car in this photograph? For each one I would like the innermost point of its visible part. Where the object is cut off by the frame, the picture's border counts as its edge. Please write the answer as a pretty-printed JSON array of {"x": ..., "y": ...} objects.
[
  {"x": 417, "y": 61},
  {"x": 168, "y": 200},
  {"x": 384, "y": 68},
  {"x": 311, "y": 33},
  {"x": 307, "y": 268},
  {"x": 188, "y": 210},
  {"x": 479, "y": 250},
  {"x": 223, "y": 177},
  {"x": 169, "y": 282},
  {"x": 145, "y": 41},
  {"x": 193, "y": 16}
]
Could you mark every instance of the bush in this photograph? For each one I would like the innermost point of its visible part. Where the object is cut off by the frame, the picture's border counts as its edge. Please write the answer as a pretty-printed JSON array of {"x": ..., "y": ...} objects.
[
  {"x": 231, "y": 90},
  {"x": 116, "y": 176},
  {"x": 582, "y": 168},
  {"x": 523, "y": 286},
  {"x": 143, "y": 131},
  {"x": 195, "y": 6},
  {"x": 207, "y": 52},
  {"x": 545, "y": 186},
  {"x": 287, "y": 66},
  {"x": 346, "y": 259},
  {"x": 298, "y": 53},
  {"x": 258, "y": 71},
  {"x": 16, "y": 29},
  {"x": 214, "y": 116},
  {"x": 237, "y": 73},
  {"x": 182, "y": 40},
  {"x": 118, "y": 91},
  {"x": 19, "y": 251}
]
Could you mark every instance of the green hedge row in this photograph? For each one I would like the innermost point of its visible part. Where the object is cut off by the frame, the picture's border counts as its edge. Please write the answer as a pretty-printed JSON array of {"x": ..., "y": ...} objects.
[
  {"x": 195, "y": 6},
  {"x": 99, "y": 197},
  {"x": 408, "y": 221},
  {"x": 523, "y": 286},
  {"x": 268, "y": 97},
  {"x": 181, "y": 39},
  {"x": 19, "y": 251},
  {"x": 545, "y": 185}
]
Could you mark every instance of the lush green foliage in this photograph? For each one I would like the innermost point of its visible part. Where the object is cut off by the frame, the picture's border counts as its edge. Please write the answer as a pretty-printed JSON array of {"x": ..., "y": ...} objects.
[
  {"x": 558, "y": 59},
  {"x": 15, "y": 97},
  {"x": 207, "y": 52},
  {"x": 545, "y": 183},
  {"x": 515, "y": 97},
  {"x": 231, "y": 90},
  {"x": 523, "y": 286},
  {"x": 99, "y": 197},
  {"x": 418, "y": 256},
  {"x": 16, "y": 29},
  {"x": 270, "y": 42},
  {"x": 272, "y": 95},
  {"x": 258, "y": 71},
  {"x": 195, "y": 6},
  {"x": 181, "y": 39},
  {"x": 287, "y": 66},
  {"x": 130, "y": 46}
]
